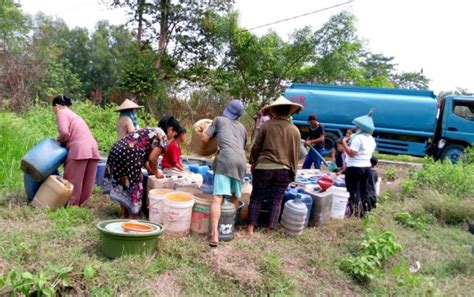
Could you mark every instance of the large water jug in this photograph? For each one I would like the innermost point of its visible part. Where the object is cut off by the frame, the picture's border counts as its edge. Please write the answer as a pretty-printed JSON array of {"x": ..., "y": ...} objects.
[
  {"x": 321, "y": 210},
  {"x": 31, "y": 186},
  {"x": 44, "y": 159},
  {"x": 294, "y": 216},
  {"x": 246, "y": 191},
  {"x": 196, "y": 145},
  {"x": 53, "y": 193},
  {"x": 227, "y": 220},
  {"x": 308, "y": 201}
]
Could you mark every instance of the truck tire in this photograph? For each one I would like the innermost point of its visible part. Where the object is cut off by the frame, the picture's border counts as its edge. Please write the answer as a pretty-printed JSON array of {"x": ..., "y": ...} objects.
[
  {"x": 453, "y": 152},
  {"x": 330, "y": 140}
]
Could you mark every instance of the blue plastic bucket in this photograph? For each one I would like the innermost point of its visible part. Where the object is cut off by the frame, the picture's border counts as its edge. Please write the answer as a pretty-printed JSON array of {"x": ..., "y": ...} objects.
[{"x": 99, "y": 176}]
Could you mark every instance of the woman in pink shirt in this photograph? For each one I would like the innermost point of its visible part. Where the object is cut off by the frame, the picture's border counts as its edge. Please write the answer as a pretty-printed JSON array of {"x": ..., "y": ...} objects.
[{"x": 81, "y": 161}]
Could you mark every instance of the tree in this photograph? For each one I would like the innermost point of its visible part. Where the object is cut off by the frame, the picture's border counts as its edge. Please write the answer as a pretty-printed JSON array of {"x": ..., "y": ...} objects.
[
  {"x": 338, "y": 51},
  {"x": 411, "y": 80},
  {"x": 257, "y": 69}
]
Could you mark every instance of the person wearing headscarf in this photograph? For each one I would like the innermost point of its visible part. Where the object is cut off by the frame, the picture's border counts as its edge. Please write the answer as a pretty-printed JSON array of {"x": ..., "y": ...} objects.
[
  {"x": 274, "y": 160},
  {"x": 127, "y": 121},
  {"x": 359, "y": 152},
  {"x": 127, "y": 157},
  {"x": 83, "y": 153},
  {"x": 230, "y": 165}
]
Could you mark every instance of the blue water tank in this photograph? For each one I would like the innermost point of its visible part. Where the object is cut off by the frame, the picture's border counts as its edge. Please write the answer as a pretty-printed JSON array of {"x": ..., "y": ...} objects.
[
  {"x": 31, "y": 186},
  {"x": 45, "y": 158},
  {"x": 415, "y": 109}
]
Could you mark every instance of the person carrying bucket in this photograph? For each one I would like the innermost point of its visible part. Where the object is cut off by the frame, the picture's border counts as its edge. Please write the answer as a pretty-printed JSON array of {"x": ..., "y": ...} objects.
[
  {"x": 274, "y": 159},
  {"x": 316, "y": 140},
  {"x": 230, "y": 162},
  {"x": 359, "y": 152},
  {"x": 127, "y": 121}
]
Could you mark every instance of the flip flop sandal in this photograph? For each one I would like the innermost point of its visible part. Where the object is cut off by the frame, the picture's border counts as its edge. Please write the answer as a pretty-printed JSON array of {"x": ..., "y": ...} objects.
[{"x": 213, "y": 244}]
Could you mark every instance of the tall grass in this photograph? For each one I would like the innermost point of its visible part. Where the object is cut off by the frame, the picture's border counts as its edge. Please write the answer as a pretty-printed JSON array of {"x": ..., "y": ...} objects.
[{"x": 16, "y": 140}]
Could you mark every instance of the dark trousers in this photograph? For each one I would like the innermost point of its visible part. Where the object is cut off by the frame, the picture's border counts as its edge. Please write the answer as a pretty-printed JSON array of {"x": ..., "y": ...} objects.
[
  {"x": 356, "y": 184},
  {"x": 268, "y": 185}
]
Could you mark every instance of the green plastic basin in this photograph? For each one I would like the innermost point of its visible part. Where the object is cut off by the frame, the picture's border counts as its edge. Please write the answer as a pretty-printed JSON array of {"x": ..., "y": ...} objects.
[{"x": 116, "y": 242}]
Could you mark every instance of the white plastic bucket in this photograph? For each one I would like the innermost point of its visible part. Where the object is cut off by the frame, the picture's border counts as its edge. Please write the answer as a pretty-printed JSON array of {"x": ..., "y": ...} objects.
[
  {"x": 340, "y": 197},
  {"x": 155, "y": 205},
  {"x": 177, "y": 211}
]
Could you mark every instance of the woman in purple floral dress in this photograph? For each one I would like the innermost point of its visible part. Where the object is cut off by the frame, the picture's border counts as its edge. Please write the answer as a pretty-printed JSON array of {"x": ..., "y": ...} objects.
[{"x": 127, "y": 157}]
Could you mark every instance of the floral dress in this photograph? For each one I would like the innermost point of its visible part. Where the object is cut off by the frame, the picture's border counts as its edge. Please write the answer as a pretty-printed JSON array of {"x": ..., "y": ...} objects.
[{"x": 127, "y": 157}]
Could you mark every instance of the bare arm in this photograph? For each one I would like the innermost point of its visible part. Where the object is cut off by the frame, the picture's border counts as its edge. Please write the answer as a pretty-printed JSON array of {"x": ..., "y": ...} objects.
[
  {"x": 63, "y": 126},
  {"x": 315, "y": 141},
  {"x": 351, "y": 153},
  {"x": 153, "y": 161}
]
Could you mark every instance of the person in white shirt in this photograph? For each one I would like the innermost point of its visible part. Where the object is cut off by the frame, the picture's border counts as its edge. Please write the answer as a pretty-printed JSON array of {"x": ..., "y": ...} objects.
[{"x": 361, "y": 148}]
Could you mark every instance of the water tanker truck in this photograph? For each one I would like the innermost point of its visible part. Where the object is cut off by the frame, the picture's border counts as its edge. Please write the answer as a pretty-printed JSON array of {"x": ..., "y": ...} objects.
[{"x": 407, "y": 122}]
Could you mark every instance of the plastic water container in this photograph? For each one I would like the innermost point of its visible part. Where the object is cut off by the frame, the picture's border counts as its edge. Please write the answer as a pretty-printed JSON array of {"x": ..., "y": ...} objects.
[
  {"x": 31, "y": 186},
  {"x": 202, "y": 170},
  {"x": 200, "y": 213},
  {"x": 177, "y": 212},
  {"x": 246, "y": 192},
  {"x": 99, "y": 176},
  {"x": 308, "y": 201},
  {"x": 294, "y": 216},
  {"x": 53, "y": 193},
  {"x": 155, "y": 204},
  {"x": 340, "y": 197},
  {"x": 194, "y": 168},
  {"x": 157, "y": 183},
  {"x": 321, "y": 211},
  {"x": 377, "y": 186},
  {"x": 44, "y": 159},
  {"x": 226, "y": 221},
  {"x": 196, "y": 145}
]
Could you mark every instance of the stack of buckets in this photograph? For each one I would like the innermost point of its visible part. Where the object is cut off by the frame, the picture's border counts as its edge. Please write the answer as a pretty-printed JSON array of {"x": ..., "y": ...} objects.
[{"x": 42, "y": 187}]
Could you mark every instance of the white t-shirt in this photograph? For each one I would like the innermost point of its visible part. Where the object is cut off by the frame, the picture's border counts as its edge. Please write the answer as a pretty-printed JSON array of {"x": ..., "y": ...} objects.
[{"x": 364, "y": 145}]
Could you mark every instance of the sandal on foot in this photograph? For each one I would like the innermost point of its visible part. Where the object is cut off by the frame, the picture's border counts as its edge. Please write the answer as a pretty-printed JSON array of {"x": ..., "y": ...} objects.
[{"x": 213, "y": 243}]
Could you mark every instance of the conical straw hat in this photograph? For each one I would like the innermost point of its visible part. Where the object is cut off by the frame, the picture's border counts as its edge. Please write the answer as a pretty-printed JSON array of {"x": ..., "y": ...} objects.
[
  {"x": 295, "y": 107},
  {"x": 128, "y": 104}
]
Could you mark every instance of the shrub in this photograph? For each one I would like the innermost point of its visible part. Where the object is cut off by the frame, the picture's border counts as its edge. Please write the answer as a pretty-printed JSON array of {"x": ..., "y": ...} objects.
[
  {"x": 374, "y": 252},
  {"x": 408, "y": 220}
]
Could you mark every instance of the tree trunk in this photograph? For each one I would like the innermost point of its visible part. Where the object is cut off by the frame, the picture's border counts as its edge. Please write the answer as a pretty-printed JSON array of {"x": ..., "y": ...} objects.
[
  {"x": 140, "y": 7},
  {"x": 164, "y": 14}
]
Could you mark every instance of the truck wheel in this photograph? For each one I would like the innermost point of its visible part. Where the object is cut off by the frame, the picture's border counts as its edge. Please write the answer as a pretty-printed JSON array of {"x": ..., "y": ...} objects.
[
  {"x": 453, "y": 152},
  {"x": 330, "y": 140}
]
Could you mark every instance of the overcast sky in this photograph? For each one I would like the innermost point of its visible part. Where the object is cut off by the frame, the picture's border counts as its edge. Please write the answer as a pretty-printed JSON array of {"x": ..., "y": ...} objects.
[{"x": 431, "y": 34}]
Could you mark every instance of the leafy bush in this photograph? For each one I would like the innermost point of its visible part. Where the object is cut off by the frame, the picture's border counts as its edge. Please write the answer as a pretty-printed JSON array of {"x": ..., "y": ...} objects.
[
  {"x": 374, "y": 252},
  {"x": 408, "y": 220},
  {"x": 390, "y": 173},
  {"x": 446, "y": 178},
  {"x": 28, "y": 284}
]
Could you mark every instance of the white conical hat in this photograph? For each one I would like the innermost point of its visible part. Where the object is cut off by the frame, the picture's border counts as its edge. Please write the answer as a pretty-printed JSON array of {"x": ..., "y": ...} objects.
[
  {"x": 295, "y": 107},
  {"x": 128, "y": 104}
]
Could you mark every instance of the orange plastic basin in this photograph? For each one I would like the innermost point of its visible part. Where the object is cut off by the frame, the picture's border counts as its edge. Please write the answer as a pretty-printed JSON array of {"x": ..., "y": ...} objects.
[{"x": 136, "y": 227}]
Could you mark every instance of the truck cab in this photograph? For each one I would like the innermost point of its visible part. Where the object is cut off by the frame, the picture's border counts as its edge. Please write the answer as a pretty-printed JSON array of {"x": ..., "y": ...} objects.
[{"x": 455, "y": 129}]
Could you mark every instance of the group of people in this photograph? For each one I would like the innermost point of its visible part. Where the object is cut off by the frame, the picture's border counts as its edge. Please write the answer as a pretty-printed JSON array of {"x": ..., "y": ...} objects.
[{"x": 274, "y": 157}]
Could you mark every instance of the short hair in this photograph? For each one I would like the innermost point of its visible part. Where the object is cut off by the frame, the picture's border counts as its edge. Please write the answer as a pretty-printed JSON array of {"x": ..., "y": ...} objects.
[
  {"x": 312, "y": 117},
  {"x": 62, "y": 100},
  {"x": 374, "y": 161},
  {"x": 282, "y": 110}
]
